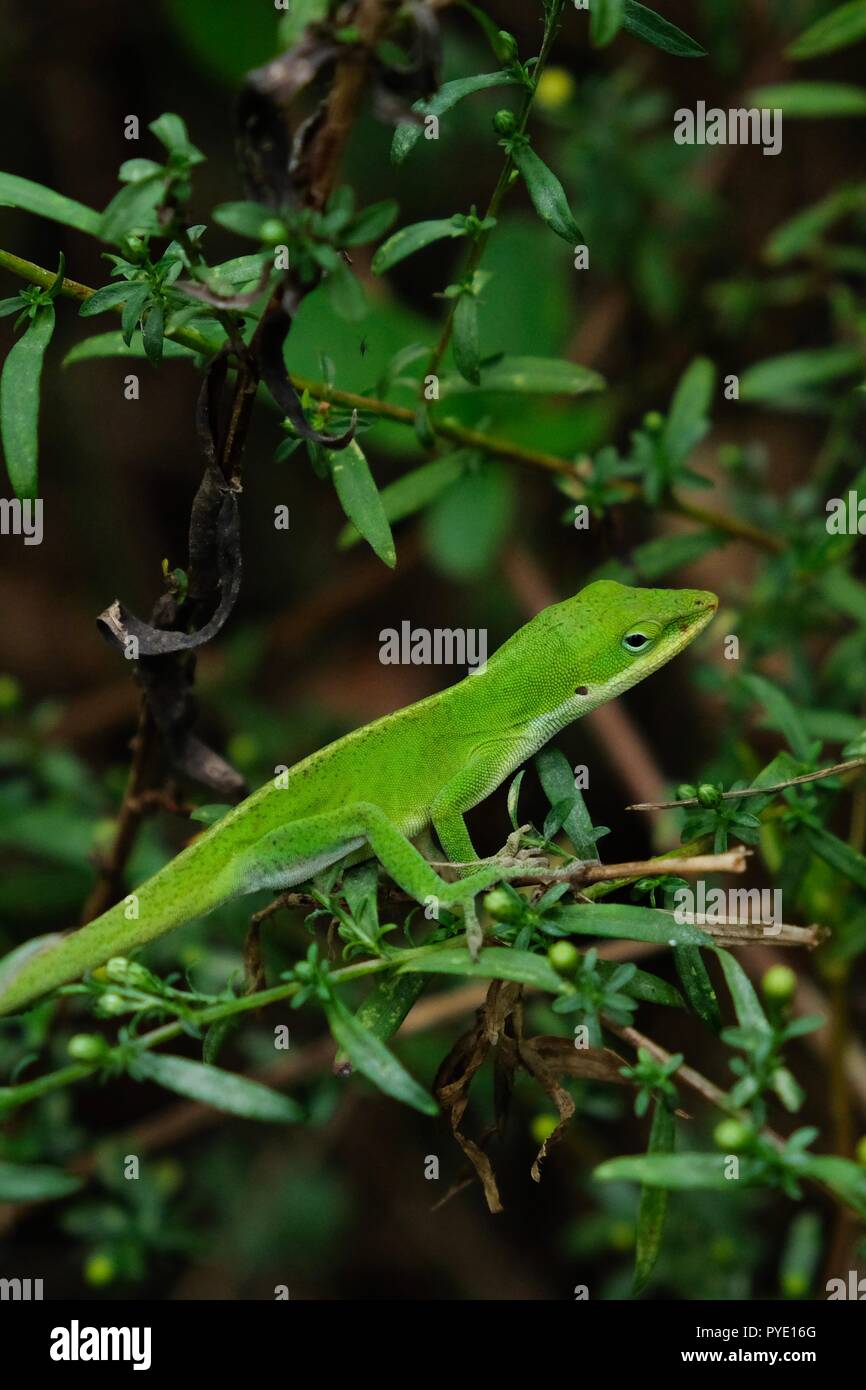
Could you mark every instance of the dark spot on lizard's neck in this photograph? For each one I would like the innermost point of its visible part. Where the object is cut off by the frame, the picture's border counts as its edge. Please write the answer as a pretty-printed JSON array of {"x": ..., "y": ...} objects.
[{"x": 582, "y": 690}]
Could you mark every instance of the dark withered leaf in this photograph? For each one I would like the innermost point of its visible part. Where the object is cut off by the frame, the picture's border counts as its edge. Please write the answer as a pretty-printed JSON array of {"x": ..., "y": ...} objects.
[
  {"x": 271, "y": 339},
  {"x": 264, "y": 143}
]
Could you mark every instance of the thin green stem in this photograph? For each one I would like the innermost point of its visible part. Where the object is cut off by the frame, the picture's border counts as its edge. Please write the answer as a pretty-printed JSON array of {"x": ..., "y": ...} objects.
[
  {"x": 14, "y": 1096},
  {"x": 479, "y": 245},
  {"x": 492, "y": 445}
]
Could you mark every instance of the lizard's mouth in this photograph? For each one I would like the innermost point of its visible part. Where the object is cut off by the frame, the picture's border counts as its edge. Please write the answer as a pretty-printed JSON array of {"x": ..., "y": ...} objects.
[{"x": 698, "y": 615}]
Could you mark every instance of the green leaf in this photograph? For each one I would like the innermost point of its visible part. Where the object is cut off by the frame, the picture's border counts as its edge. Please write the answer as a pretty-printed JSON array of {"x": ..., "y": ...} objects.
[
  {"x": 360, "y": 500},
  {"x": 224, "y": 1090},
  {"x": 467, "y": 524},
  {"x": 493, "y": 963},
  {"x": 210, "y": 32},
  {"x": 465, "y": 342},
  {"x": 697, "y": 985},
  {"x": 347, "y": 295},
  {"x": 411, "y": 239},
  {"x": 171, "y": 132},
  {"x": 388, "y": 1003},
  {"x": 371, "y": 223},
  {"x": 811, "y": 99},
  {"x": 413, "y": 491},
  {"x": 19, "y": 402},
  {"x": 408, "y": 134},
  {"x": 154, "y": 328},
  {"x": 679, "y": 1172},
  {"x": 209, "y": 815},
  {"x": 606, "y": 19},
  {"x": 643, "y": 985},
  {"x": 837, "y": 854},
  {"x": 687, "y": 421},
  {"x": 666, "y": 553},
  {"x": 557, "y": 780},
  {"x": 132, "y": 209},
  {"x": 109, "y": 297},
  {"x": 244, "y": 218},
  {"x": 547, "y": 194},
  {"x": 44, "y": 202},
  {"x": 300, "y": 14},
  {"x": 780, "y": 378},
  {"x": 747, "y": 1005},
  {"x": 839, "y": 29},
  {"x": 523, "y": 375},
  {"x": 653, "y": 1200},
  {"x": 112, "y": 345},
  {"x": 514, "y": 798},
  {"x": 802, "y": 231},
  {"x": 132, "y": 311},
  {"x": 647, "y": 25},
  {"x": 33, "y": 1182},
  {"x": 373, "y": 1059},
  {"x": 489, "y": 26},
  {"x": 841, "y": 1175},
  {"x": 631, "y": 923},
  {"x": 782, "y": 714}
]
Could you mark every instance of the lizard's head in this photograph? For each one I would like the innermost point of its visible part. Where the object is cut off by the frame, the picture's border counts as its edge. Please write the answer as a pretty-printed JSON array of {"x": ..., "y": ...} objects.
[{"x": 622, "y": 634}]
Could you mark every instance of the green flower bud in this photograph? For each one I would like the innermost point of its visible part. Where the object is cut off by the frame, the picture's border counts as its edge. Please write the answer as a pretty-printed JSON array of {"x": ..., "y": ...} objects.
[
  {"x": 564, "y": 957},
  {"x": 505, "y": 123},
  {"x": 708, "y": 795},
  {"x": 653, "y": 420},
  {"x": 506, "y": 46},
  {"x": 111, "y": 1003},
  {"x": 128, "y": 972},
  {"x": 87, "y": 1047}
]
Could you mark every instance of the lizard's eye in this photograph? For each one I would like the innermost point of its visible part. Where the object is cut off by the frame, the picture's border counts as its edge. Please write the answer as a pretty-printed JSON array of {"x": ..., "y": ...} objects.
[{"x": 636, "y": 641}]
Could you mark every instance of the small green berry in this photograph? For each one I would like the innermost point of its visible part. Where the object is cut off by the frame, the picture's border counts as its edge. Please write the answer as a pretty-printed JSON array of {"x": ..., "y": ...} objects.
[
  {"x": 274, "y": 231},
  {"x": 621, "y": 1235},
  {"x": 542, "y": 1127},
  {"x": 779, "y": 983},
  {"x": 731, "y": 1135},
  {"x": 10, "y": 693},
  {"x": 502, "y": 905},
  {"x": 564, "y": 957},
  {"x": 794, "y": 1284},
  {"x": 99, "y": 1269}
]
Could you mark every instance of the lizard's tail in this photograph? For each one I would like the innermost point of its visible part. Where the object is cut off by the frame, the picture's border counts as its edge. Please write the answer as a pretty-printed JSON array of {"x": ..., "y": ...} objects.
[{"x": 184, "y": 889}]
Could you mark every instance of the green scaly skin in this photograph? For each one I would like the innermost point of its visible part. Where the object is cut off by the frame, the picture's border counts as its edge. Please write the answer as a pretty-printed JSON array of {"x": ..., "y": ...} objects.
[{"x": 424, "y": 765}]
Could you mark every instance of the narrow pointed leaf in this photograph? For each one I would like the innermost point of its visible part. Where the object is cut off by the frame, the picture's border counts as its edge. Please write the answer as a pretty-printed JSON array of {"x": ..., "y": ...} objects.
[
  {"x": 19, "y": 403},
  {"x": 361, "y": 501},
  {"x": 374, "y": 1060},
  {"x": 224, "y": 1090}
]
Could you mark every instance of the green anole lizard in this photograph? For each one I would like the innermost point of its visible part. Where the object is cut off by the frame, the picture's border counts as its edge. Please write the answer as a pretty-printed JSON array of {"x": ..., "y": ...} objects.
[{"x": 378, "y": 787}]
